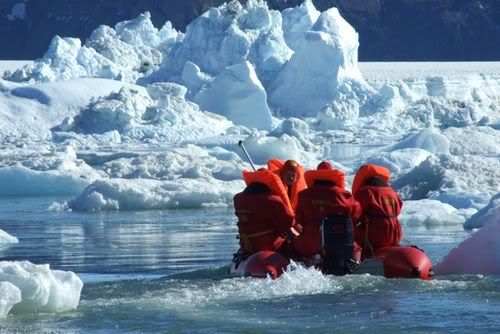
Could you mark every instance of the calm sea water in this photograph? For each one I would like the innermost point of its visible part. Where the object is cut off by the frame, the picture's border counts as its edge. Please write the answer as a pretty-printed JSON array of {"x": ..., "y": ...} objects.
[{"x": 165, "y": 272}]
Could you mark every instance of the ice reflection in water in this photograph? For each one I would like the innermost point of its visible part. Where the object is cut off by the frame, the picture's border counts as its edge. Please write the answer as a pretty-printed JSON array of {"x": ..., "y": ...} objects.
[{"x": 154, "y": 242}]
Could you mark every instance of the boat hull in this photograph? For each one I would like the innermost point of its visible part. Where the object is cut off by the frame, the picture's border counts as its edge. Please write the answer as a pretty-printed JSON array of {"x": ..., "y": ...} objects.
[{"x": 391, "y": 262}]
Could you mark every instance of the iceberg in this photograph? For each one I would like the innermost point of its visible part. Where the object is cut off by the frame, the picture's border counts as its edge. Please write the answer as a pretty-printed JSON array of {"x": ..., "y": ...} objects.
[
  {"x": 228, "y": 35},
  {"x": 326, "y": 59},
  {"x": 125, "y": 53}
]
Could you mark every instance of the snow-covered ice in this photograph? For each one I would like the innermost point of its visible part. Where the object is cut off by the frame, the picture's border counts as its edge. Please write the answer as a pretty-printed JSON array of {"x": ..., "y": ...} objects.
[
  {"x": 43, "y": 290},
  {"x": 430, "y": 213}
]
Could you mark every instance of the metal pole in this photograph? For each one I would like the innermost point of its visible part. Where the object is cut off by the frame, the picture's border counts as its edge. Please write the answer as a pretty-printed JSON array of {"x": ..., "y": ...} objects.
[{"x": 240, "y": 144}]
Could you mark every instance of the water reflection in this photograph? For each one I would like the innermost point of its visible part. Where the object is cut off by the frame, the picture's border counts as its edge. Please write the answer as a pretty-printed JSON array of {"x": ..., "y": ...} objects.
[{"x": 156, "y": 242}]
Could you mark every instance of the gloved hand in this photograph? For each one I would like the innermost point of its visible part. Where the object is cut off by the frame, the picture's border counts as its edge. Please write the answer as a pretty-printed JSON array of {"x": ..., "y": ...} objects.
[
  {"x": 352, "y": 264},
  {"x": 293, "y": 232},
  {"x": 298, "y": 228}
]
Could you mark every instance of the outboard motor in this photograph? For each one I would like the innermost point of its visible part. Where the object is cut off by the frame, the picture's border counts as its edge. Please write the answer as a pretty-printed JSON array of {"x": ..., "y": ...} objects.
[{"x": 337, "y": 244}]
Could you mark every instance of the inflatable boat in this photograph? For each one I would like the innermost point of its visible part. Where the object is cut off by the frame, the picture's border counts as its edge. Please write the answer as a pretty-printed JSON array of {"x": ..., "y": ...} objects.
[
  {"x": 337, "y": 249},
  {"x": 391, "y": 262}
]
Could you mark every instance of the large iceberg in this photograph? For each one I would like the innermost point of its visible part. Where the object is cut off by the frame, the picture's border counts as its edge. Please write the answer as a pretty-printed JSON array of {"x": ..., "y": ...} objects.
[
  {"x": 229, "y": 35},
  {"x": 124, "y": 53},
  {"x": 323, "y": 62},
  {"x": 297, "y": 21}
]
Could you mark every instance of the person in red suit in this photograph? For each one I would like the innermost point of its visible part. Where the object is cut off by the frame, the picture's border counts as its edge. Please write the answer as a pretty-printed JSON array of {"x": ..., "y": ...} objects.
[
  {"x": 326, "y": 195},
  {"x": 265, "y": 222},
  {"x": 379, "y": 226},
  {"x": 291, "y": 174}
]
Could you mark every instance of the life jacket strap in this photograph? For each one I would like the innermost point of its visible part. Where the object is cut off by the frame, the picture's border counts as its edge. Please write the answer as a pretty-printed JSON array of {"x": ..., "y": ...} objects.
[
  {"x": 247, "y": 243},
  {"x": 367, "y": 240}
]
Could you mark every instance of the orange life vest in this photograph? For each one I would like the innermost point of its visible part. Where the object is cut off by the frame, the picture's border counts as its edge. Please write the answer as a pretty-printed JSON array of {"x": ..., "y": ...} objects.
[
  {"x": 368, "y": 171},
  {"x": 270, "y": 179},
  {"x": 276, "y": 166},
  {"x": 333, "y": 175}
]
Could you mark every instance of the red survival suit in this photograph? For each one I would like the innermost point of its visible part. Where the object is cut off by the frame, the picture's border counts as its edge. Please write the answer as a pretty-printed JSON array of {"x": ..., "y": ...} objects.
[
  {"x": 263, "y": 216},
  {"x": 379, "y": 225},
  {"x": 325, "y": 195}
]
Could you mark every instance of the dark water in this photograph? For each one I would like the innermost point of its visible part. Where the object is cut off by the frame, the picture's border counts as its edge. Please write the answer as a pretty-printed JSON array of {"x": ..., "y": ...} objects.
[{"x": 165, "y": 272}]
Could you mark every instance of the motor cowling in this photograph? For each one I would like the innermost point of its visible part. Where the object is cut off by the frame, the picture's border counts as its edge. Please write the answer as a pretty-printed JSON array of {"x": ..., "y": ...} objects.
[{"x": 337, "y": 244}]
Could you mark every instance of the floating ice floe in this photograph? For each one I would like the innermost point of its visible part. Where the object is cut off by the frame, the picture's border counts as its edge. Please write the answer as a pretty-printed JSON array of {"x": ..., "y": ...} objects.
[
  {"x": 462, "y": 181},
  {"x": 7, "y": 239},
  {"x": 430, "y": 213},
  {"x": 144, "y": 194},
  {"x": 263, "y": 148},
  {"x": 49, "y": 173},
  {"x": 43, "y": 290},
  {"x": 190, "y": 162},
  {"x": 9, "y": 296}
]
